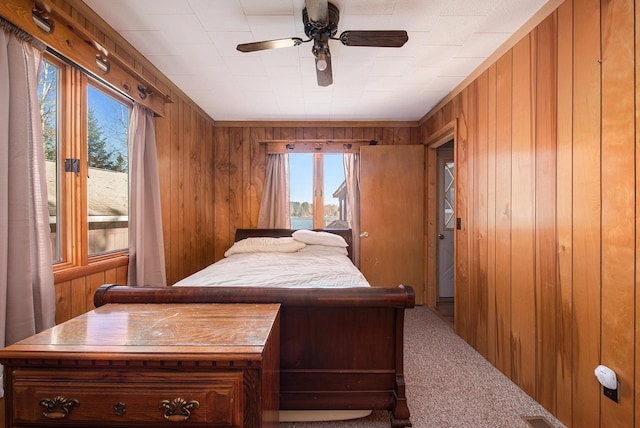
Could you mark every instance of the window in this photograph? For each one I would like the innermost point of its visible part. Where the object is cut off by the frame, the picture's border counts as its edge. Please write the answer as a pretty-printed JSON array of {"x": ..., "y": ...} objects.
[
  {"x": 317, "y": 191},
  {"x": 107, "y": 181},
  {"x": 449, "y": 195},
  {"x": 85, "y": 126}
]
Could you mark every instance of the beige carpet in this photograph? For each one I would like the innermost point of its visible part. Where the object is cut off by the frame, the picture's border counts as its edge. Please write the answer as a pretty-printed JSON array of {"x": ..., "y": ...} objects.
[{"x": 450, "y": 385}]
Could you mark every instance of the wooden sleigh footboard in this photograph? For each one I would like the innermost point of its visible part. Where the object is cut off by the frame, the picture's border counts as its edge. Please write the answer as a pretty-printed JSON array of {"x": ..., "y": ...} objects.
[{"x": 341, "y": 349}]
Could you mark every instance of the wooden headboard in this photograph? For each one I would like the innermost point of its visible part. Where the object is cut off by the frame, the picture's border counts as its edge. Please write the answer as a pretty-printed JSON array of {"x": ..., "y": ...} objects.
[{"x": 278, "y": 233}]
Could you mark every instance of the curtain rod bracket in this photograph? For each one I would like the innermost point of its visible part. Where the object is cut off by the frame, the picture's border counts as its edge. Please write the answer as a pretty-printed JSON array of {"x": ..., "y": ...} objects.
[{"x": 42, "y": 21}]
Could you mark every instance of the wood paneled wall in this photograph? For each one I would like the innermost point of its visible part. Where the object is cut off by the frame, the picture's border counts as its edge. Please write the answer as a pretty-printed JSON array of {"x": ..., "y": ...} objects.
[
  {"x": 185, "y": 145},
  {"x": 240, "y": 165},
  {"x": 547, "y": 259},
  {"x": 74, "y": 293}
]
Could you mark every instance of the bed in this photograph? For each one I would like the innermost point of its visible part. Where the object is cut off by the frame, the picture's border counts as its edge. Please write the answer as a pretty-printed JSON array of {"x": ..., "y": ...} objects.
[{"x": 341, "y": 347}]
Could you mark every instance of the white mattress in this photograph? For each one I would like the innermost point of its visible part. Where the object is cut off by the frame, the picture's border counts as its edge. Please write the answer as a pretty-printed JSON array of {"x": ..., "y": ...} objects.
[{"x": 299, "y": 269}]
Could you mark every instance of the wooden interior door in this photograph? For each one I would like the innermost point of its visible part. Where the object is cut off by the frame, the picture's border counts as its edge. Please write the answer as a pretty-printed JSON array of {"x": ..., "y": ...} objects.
[{"x": 391, "y": 216}]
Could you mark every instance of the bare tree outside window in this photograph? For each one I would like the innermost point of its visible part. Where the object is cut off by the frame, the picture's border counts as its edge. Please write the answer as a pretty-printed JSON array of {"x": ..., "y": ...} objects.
[{"x": 49, "y": 101}]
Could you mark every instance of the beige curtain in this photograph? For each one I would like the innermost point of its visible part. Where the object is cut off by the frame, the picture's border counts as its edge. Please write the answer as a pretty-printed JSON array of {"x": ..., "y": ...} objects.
[
  {"x": 352, "y": 178},
  {"x": 146, "y": 244},
  {"x": 27, "y": 295},
  {"x": 274, "y": 206}
]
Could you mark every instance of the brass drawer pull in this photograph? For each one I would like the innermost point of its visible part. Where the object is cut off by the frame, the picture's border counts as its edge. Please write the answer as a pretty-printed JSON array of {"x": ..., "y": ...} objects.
[
  {"x": 59, "y": 407},
  {"x": 178, "y": 409}
]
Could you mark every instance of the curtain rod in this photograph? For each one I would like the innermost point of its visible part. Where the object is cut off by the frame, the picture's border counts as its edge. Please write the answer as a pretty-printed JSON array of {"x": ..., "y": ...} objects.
[{"x": 316, "y": 145}]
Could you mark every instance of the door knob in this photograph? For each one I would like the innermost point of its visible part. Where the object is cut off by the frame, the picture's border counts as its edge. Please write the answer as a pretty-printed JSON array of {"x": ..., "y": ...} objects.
[
  {"x": 364, "y": 234},
  {"x": 440, "y": 236}
]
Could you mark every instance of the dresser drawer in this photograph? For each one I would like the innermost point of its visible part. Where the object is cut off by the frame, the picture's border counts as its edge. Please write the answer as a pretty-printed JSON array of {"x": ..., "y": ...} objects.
[{"x": 79, "y": 397}]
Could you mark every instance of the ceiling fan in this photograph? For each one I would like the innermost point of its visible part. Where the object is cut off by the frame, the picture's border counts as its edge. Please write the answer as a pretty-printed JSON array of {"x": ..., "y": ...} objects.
[{"x": 320, "y": 20}]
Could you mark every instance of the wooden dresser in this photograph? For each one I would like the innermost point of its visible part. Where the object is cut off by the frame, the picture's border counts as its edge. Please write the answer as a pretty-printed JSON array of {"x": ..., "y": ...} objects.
[{"x": 152, "y": 365}]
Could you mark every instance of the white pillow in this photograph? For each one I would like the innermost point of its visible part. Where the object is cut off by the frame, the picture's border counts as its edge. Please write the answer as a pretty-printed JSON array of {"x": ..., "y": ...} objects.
[
  {"x": 319, "y": 238},
  {"x": 265, "y": 245},
  {"x": 324, "y": 249}
]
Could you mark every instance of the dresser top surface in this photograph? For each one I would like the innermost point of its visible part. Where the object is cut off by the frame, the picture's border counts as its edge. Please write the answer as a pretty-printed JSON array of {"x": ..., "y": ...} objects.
[{"x": 153, "y": 331}]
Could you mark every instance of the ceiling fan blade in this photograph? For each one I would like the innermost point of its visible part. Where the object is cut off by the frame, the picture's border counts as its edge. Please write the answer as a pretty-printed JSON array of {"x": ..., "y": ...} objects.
[
  {"x": 325, "y": 77},
  {"x": 318, "y": 11},
  {"x": 383, "y": 39},
  {"x": 269, "y": 44}
]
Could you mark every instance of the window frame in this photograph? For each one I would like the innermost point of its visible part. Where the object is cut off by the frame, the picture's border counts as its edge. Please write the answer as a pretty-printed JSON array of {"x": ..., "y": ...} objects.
[
  {"x": 72, "y": 188},
  {"x": 318, "y": 147},
  {"x": 318, "y": 187}
]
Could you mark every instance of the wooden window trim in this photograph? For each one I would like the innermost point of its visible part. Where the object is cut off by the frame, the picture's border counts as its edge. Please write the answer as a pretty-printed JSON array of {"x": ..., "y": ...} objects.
[
  {"x": 318, "y": 191},
  {"x": 75, "y": 260},
  {"x": 69, "y": 273}
]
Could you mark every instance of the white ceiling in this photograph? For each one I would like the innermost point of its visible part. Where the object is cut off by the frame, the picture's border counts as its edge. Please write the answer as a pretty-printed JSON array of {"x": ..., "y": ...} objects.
[{"x": 193, "y": 42}]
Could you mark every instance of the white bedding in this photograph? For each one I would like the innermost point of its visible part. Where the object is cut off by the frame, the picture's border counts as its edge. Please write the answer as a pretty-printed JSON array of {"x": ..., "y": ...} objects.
[{"x": 310, "y": 269}]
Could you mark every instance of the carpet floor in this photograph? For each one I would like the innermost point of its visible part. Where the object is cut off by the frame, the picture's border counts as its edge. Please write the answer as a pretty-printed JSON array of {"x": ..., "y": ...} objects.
[{"x": 449, "y": 384}]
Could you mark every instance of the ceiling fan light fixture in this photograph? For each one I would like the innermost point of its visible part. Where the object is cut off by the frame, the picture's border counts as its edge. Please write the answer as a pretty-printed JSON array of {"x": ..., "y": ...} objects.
[{"x": 321, "y": 61}]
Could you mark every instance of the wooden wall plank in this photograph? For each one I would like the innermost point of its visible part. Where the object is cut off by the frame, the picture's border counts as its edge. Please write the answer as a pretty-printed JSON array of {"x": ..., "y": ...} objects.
[
  {"x": 491, "y": 217},
  {"x": 618, "y": 206},
  {"x": 192, "y": 174},
  {"x": 461, "y": 302},
  {"x": 387, "y": 136},
  {"x": 247, "y": 190},
  {"x": 208, "y": 193},
  {"x": 522, "y": 217},
  {"x": 326, "y": 133},
  {"x": 472, "y": 285},
  {"x": 236, "y": 184},
  {"x": 309, "y": 133},
  {"x": 199, "y": 158},
  {"x": 586, "y": 212},
  {"x": 121, "y": 274},
  {"x": 480, "y": 196},
  {"x": 63, "y": 301},
  {"x": 78, "y": 300},
  {"x": 257, "y": 170},
  {"x": 110, "y": 276},
  {"x": 402, "y": 135},
  {"x": 503, "y": 213},
  {"x": 431, "y": 226},
  {"x": 636, "y": 385},
  {"x": 545, "y": 209},
  {"x": 222, "y": 233},
  {"x": 92, "y": 283},
  {"x": 177, "y": 201},
  {"x": 564, "y": 215}
]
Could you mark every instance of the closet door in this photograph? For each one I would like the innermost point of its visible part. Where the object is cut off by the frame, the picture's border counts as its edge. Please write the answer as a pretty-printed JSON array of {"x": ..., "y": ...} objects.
[{"x": 392, "y": 216}]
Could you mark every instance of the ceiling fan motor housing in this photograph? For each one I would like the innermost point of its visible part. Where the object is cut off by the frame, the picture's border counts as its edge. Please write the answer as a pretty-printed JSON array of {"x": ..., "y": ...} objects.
[{"x": 322, "y": 30}]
